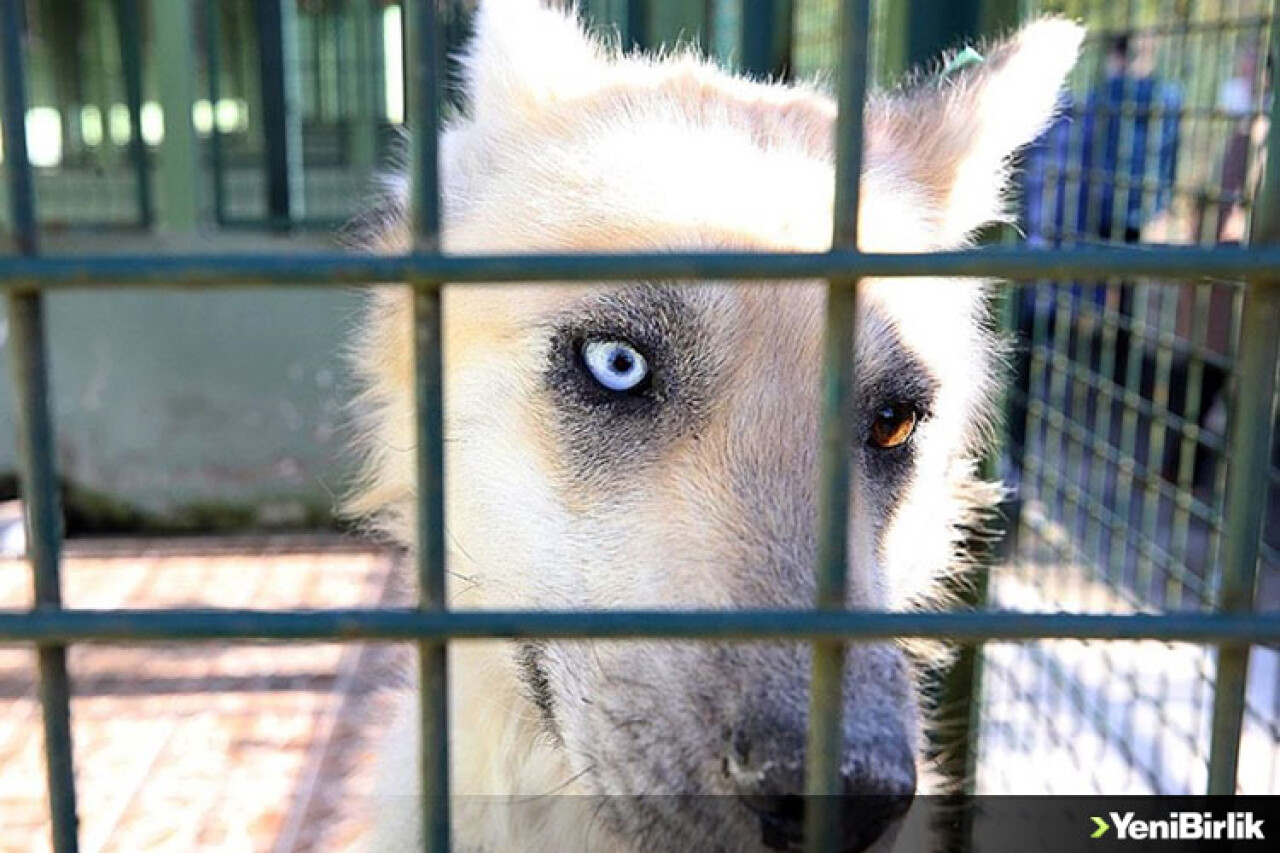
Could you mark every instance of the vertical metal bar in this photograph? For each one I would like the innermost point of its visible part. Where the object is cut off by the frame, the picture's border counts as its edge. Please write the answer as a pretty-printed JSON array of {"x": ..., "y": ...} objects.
[
  {"x": 825, "y": 743},
  {"x": 959, "y": 712},
  {"x": 43, "y": 522},
  {"x": 37, "y": 470},
  {"x": 765, "y": 37},
  {"x": 128, "y": 25},
  {"x": 933, "y": 27},
  {"x": 276, "y": 111},
  {"x": 636, "y": 25},
  {"x": 960, "y": 705},
  {"x": 424, "y": 61},
  {"x": 1248, "y": 460},
  {"x": 178, "y": 165},
  {"x": 213, "y": 68},
  {"x": 21, "y": 186}
]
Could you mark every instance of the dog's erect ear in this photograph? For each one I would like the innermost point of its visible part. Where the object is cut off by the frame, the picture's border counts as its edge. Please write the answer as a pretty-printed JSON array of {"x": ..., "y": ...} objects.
[
  {"x": 953, "y": 135},
  {"x": 525, "y": 55}
]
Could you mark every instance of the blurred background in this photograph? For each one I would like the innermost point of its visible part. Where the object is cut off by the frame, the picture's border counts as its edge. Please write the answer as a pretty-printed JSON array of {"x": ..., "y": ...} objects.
[{"x": 161, "y": 126}]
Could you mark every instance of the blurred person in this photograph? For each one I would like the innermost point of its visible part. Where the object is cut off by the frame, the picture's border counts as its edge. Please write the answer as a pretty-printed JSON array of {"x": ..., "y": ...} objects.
[
  {"x": 1129, "y": 158},
  {"x": 1102, "y": 173},
  {"x": 1245, "y": 155},
  {"x": 1129, "y": 152},
  {"x": 1099, "y": 150}
]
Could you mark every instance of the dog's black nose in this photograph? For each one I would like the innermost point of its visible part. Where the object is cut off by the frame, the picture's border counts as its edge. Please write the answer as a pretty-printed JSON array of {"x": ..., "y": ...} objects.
[{"x": 870, "y": 808}]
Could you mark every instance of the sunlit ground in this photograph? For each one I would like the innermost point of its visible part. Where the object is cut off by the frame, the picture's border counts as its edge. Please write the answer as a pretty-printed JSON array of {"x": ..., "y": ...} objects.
[{"x": 203, "y": 747}]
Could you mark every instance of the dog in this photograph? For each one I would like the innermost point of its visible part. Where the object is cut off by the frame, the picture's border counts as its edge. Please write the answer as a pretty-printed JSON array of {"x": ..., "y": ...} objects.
[{"x": 655, "y": 445}]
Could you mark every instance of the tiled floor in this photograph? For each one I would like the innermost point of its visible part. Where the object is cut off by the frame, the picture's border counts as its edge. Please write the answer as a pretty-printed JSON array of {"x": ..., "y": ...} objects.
[{"x": 206, "y": 747}]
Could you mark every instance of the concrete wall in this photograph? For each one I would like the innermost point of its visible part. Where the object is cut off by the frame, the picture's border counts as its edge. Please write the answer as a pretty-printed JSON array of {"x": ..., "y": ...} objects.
[{"x": 204, "y": 408}]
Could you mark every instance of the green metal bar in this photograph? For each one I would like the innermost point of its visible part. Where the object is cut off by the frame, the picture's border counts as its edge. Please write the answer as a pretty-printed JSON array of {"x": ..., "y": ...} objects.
[
  {"x": 424, "y": 58},
  {"x": 36, "y": 465},
  {"x": 342, "y": 269},
  {"x": 825, "y": 750},
  {"x": 128, "y": 27},
  {"x": 1248, "y": 457},
  {"x": 213, "y": 67},
  {"x": 18, "y": 163},
  {"x": 958, "y": 717},
  {"x": 960, "y": 708},
  {"x": 39, "y": 480},
  {"x": 281, "y": 160},
  {"x": 635, "y": 24},
  {"x": 934, "y": 27},
  {"x": 178, "y": 160},
  {"x": 956, "y": 721},
  {"x": 400, "y": 624},
  {"x": 764, "y": 47}
]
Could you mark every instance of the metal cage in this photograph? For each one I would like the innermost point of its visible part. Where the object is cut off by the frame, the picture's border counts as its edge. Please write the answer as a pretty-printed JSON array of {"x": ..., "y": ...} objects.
[{"x": 1225, "y": 621}]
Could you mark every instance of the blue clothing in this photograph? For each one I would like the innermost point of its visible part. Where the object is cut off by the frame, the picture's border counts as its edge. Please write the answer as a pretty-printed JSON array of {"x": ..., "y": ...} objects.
[
  {"x": 1044, "y": 183},
  {"x": 1106, "y": 145},
  {"x": 1085, "y": 179},
  {"x": 1129, "y": 109}
]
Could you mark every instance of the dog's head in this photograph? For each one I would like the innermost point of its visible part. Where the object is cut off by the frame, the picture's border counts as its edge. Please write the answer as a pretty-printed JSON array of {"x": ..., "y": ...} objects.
[{"x": 655, "y": 445}]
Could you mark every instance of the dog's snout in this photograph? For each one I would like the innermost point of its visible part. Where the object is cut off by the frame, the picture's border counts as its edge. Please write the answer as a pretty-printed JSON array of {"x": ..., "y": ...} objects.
[
  {"x": 873, "y": 807},
  {"x": 878, "y": 787}
]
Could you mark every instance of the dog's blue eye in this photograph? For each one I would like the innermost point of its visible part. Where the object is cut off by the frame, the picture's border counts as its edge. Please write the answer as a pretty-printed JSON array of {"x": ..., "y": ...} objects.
[{"x": 616, "y": 365}]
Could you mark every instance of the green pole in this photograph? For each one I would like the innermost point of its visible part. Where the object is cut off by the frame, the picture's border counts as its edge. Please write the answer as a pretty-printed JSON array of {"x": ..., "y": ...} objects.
[
  {"x": 128, "y": 24},
  {"x": 213, "y": 68},
  {"x": 424, "y": 62},
  {"x": 281, "y": 120},
  {"x": 933, "y": 27},
  {"x": 37, "y": 465},
  {"x": 920, "y": 31},
  {"x": 179, "y": 161},
  {"x": 764, "y": 48},
  {"x": 363, "y": 84},
  {"x": 825, "y": 747},
  {"x": 1249, "y": 450}
]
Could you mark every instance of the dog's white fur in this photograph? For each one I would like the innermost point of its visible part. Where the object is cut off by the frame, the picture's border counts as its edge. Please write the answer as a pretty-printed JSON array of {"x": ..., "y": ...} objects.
[{"x": 569, "y": 146}]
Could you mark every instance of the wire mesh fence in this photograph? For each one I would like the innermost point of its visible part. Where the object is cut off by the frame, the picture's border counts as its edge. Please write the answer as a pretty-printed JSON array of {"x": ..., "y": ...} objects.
[
  {"x": 1118, "y": 418},
  {"x": 1120, "y": 421},
  {"x": 1117, "y": 431}
]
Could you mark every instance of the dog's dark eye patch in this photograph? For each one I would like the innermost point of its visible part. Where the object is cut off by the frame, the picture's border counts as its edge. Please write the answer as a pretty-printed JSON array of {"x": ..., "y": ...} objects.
[
  {"x": 896, "y": 380},
  {"x": 604, "y": 429},
  {"x": 893, "y": 377}
]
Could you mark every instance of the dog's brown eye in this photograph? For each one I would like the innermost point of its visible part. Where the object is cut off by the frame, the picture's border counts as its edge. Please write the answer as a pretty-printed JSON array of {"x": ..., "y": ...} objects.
[{"x": 892, "y": 426}]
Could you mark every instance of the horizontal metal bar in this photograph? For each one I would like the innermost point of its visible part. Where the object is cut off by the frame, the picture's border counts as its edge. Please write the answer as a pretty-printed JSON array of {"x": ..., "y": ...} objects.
[
  {"x": 111, "y": 626},
  {"x": 336, "y": 268}
]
